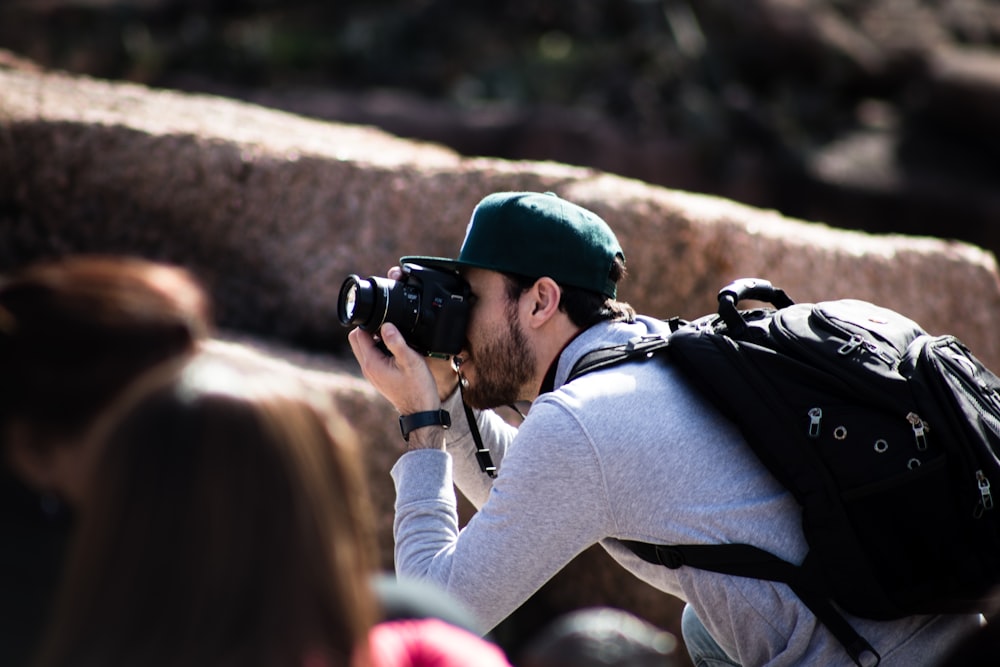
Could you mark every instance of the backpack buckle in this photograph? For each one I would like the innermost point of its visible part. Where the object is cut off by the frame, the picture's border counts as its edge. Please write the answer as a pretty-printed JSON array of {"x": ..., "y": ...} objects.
[{"x": 646, "y": 343}]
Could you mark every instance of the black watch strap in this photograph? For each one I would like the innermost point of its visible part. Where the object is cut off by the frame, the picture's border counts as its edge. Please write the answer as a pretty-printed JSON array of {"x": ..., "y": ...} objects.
[{"x": 410, "y": 423}]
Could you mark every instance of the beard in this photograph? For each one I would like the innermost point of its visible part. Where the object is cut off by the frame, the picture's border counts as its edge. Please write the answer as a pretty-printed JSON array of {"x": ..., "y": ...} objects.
[{"x": 503, "y": 366}]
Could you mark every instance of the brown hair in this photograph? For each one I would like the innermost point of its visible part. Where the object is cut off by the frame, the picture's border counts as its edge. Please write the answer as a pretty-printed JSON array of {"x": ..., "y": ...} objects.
[
  {"x": 230, "y": 526},
  {"x": 74, "y": 332},
  {"x": 583, "y": 307}
]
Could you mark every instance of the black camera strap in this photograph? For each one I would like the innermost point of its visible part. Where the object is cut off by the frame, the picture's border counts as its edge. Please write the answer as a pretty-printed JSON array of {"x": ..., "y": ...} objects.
[{"x": 482, "y": 452}]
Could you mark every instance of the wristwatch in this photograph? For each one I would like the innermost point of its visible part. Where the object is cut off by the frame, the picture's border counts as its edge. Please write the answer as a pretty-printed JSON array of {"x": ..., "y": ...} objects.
[{"x": 410, "y": 423}]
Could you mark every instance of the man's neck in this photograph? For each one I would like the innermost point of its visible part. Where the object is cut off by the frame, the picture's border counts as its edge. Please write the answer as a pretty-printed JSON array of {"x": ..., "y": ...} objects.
[{"x": 545, "y": 382}]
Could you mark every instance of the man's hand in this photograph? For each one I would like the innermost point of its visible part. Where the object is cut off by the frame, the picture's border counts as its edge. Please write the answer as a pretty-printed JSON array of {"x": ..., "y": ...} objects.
[
  {"x": 443, "y": 371},
  {"x": 404, "y": 378},
  {"x": 445, "y": 376},
  {"x": 410, "y": 381}
]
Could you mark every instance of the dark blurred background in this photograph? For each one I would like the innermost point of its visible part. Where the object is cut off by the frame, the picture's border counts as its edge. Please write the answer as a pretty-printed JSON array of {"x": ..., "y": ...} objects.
[{"x": 871, "y": 114}]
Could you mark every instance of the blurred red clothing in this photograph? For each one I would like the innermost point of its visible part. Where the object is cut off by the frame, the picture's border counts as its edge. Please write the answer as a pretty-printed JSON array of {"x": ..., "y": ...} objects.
[{"x": 430, "y": 642}]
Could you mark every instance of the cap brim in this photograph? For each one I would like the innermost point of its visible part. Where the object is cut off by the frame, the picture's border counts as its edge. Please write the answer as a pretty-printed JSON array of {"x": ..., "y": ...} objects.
[{"x": 441, "y": 263}]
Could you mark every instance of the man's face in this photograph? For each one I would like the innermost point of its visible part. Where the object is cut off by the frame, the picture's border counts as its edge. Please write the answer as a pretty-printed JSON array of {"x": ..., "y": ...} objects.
[{"x": 497, "y": 362}]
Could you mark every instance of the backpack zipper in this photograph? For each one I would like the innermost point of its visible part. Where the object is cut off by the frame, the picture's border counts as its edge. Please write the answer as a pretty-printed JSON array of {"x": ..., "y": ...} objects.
[
  {"x": 920, "y": 429},
  {"x": 985, "y": 501},
  {"x": 859, "y": 342}
]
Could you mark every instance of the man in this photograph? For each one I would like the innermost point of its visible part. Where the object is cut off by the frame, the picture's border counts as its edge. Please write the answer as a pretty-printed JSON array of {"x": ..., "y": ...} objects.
[{"x": 626, "y": 453}]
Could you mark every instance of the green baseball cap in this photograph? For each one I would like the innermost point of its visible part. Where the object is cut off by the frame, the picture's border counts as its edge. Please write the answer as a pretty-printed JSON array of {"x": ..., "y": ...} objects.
[{"x": 536, "y": 234}]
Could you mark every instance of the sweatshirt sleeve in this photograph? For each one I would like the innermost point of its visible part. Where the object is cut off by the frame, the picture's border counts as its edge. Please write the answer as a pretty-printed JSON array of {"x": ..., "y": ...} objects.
[{"x": 548, "y": 503}]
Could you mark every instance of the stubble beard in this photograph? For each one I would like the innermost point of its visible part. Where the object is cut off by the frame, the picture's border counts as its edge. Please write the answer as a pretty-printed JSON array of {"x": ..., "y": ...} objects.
[{"x": 503, "y": 367}]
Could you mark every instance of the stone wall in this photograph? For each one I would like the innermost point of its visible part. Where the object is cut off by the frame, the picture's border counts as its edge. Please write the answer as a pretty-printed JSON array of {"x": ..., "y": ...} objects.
[{"x": 273, "y": 210}]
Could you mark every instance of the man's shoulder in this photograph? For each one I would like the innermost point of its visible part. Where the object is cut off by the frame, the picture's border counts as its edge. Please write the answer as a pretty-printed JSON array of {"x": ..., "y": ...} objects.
[{"x": 607, "y": 335}]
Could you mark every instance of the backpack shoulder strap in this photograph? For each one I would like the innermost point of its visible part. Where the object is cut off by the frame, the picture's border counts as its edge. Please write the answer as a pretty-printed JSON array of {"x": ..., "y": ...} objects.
[{"x": 640, "y": 347}]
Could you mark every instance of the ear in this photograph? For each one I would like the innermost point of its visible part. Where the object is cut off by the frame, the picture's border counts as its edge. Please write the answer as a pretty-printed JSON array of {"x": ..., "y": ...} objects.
[{"x": 541, "y": 302}]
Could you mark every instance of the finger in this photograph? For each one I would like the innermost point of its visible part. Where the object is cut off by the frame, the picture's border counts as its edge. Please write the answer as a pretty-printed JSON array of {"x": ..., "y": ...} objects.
[
  {"x": 395, "y": 273},
  {"x": 375, "y": 366},
  {"x": 394, "y": 340},
  {"x": 445, "y": 376},
  {"x": 361, "y": 344}
]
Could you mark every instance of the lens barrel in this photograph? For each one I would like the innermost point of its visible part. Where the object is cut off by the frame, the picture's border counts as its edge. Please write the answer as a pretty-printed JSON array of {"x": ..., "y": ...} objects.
[
  {"x": 364, "y": 302},
  {"x": 370, "y": 302}
]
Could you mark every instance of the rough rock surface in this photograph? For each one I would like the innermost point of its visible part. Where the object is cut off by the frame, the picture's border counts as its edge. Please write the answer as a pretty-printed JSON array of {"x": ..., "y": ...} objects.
[{"x": 272, "y": 210}]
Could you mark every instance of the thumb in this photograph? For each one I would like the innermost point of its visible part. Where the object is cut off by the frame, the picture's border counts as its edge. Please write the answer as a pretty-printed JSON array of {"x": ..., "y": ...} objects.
[{"x": 394, "y": 340}]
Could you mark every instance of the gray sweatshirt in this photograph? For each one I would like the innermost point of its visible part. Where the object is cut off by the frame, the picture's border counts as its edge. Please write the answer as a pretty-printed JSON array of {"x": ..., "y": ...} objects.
[{"x": 630, "y": 452}]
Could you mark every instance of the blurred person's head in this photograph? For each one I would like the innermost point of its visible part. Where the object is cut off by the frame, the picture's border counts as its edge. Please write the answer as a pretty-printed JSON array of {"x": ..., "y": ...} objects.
[
  {"x": 231, "y": 526},
  {"x": 601, "y": 637},
  {"x": 73, "y": 333}
]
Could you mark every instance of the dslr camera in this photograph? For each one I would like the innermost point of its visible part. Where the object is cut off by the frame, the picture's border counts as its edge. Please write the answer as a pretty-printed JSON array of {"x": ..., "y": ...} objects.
[{"x": 430, "y": 307}]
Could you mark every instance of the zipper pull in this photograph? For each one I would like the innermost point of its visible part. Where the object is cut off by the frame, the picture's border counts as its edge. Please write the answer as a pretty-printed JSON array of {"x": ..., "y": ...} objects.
[
  {"x": 989, "y": 392},
  {"x": 876, "y": 352},
  {"x": 856, "y": 341},
  {"x": 920, "y": 429},
  {"x": 815, "y": 414},
  {"x": 986, "y": 497}
]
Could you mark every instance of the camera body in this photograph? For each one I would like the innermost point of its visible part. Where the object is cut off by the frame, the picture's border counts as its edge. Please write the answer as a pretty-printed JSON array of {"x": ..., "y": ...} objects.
[{"x": 429, "y": 306}]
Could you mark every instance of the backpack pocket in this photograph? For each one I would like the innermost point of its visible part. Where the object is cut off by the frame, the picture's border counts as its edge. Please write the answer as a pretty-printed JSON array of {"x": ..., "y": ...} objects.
[
  {"x": 861, "y": 445},
  {"x": 906, "y": 524}
]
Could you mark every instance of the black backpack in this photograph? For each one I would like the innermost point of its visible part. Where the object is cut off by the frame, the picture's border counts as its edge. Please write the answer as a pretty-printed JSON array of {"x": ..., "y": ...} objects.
[{"x": 887, "y": 437}]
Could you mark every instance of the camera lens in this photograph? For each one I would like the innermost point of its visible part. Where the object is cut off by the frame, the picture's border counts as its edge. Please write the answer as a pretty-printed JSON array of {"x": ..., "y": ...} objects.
[
  {"x": 350, "y": 301},
  {"x": 429, "y": 307},
  {"x": 363, "y": 302}
]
